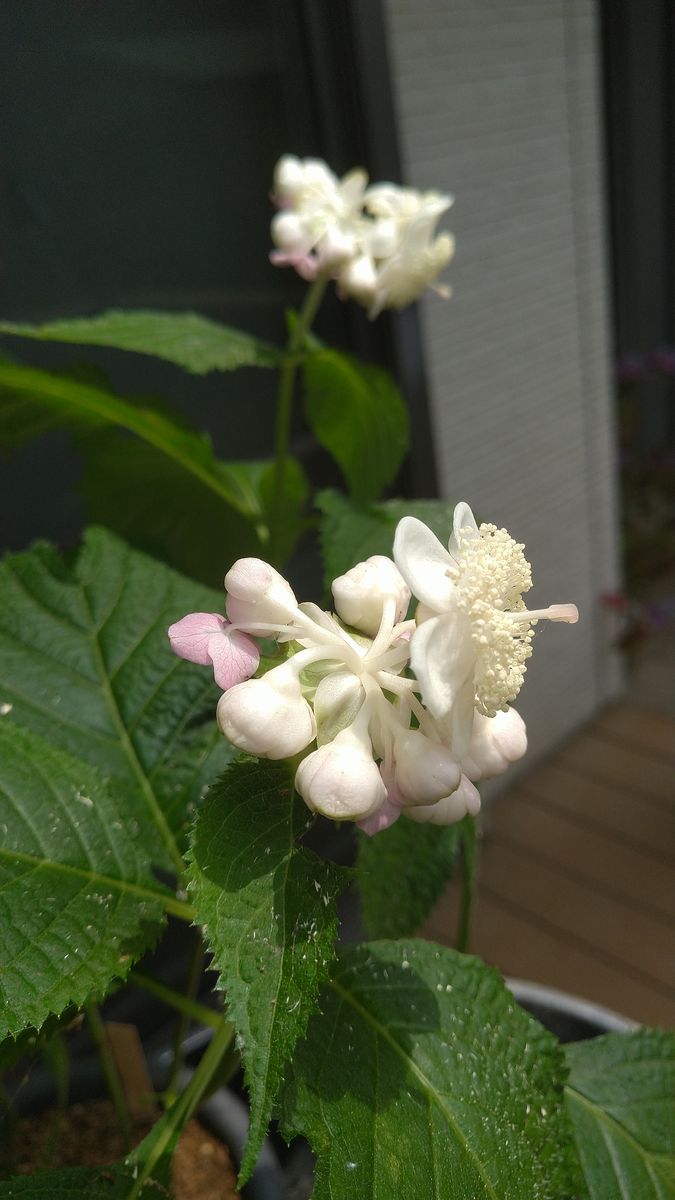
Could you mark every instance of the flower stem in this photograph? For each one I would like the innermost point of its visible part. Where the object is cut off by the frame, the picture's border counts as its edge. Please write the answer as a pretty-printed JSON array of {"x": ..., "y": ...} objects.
[
  {"x": 183, "y": 1022},
  {"x": 285, "y": 408},
  {"x": 468, "y": 838},
  {"x": 191, "y": 1009},
  {"x": 183, "y": 1108},
  {"x": 113, "y": 1081}
]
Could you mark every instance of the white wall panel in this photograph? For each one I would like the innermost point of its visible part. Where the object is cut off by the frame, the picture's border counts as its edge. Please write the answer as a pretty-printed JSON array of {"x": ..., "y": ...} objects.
[{"x": 498, "y": 103}]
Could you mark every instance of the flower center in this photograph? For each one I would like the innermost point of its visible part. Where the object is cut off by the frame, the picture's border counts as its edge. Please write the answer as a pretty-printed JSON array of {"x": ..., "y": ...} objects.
[{"x": 493, "y": 574}]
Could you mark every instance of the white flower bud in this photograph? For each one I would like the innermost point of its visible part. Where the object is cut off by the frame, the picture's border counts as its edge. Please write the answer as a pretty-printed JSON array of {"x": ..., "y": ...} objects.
[
  {"x": 288, "y": 232},
  {"x": 336, "y": 246},
  {"x": 267, "y": 717},
  {"x": 289, "y": 177},
  {"x": 465, "y": 799},
  {"x": 495, "y": 743},
  {"x": 341, "y": 780},
  {"x": 359, "y": 279},
  {"x": 256, "y": 593},
  {"x": 383, "y": 238},
  {"x": 425, "y": 771},
  {"x": 361, "y": 593}
]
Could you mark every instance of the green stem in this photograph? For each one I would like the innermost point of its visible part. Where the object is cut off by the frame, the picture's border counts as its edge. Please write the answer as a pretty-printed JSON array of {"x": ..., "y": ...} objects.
[
  {"x": 183, "y": 1108},
  {"x": 468, "y": 883},
  {"x": 285, "y": 407},
  {"x": 182, "y": 1025},
  {"x": 192, "y": 1009},
  {"x": 110, "y": 1072}
]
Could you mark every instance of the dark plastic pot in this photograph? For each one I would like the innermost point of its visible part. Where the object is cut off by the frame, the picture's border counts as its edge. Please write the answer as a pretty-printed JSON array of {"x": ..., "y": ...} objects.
[{"x": 569, "y": 1017}]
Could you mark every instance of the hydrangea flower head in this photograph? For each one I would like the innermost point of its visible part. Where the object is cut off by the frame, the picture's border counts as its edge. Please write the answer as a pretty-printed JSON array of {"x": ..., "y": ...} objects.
[
  {"x": 377, "y": 740},
  {"x": 379, "y": 243}
]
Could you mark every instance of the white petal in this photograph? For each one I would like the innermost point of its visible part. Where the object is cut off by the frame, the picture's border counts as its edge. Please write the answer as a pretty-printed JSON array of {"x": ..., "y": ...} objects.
[
  {"x": 424, "y": 563},
  {"x": 462, "y": 520},
  {"x": 443, "y": 659}
]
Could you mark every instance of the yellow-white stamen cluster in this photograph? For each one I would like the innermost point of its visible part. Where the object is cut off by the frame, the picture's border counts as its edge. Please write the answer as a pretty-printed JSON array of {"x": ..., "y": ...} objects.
[{"x": 492, "y": 576}]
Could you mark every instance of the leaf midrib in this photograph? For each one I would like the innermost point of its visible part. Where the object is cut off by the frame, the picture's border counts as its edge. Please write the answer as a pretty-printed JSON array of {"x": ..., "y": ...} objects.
[
  {"x": 169, "y": 902},
  {"x": 425, "y": 1083},
  {"x": 128, "y": 747},
  {"x": 224, "y": 483}
]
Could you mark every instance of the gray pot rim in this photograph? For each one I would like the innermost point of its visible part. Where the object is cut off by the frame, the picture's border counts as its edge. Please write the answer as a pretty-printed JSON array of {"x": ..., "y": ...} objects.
[{"x": 570, "y": 1005}]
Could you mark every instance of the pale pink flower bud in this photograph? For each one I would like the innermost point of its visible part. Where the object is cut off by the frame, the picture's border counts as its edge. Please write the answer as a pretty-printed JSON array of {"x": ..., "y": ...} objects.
[
  {"x": 361, "y": 593},
  {"x": 267, "y": 717},
  {"x": 425, "y": 771},
  {"x": 341, "y": 779},
  {"x": 496, "y": 742},
  {"x": 208, "y": 639},
  {"x": 464, "y": 800},
  {"x": 257, "y": 594}
]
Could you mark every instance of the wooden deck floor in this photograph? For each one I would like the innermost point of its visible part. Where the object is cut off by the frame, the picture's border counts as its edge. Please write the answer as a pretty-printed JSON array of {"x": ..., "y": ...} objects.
[{"x": 577, "y": 870}]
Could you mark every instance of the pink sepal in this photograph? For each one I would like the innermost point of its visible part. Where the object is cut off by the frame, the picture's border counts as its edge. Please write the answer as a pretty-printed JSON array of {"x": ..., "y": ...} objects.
[
  {"x": 306, "y": 265},
  {"x": 208, "y": 639},
  {"x": 380, "y": 820}
]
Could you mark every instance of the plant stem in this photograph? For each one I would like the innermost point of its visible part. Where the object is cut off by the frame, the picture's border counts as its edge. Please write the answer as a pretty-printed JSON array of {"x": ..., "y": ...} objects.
[
  {"x": 183, "y": 1004},
  {"x": 183, "y": 1108},
  {"x": 183, "y": 1022},
  {"x": 468, "y": 883},
  {"x": 285, "y": 407},
  {"x": 110, "y": 1072}
]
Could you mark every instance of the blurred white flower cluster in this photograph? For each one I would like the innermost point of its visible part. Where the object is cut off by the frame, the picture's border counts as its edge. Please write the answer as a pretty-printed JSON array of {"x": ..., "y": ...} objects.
[
  {"x": 387, "y": 742},
  {"x": 377, "y": 242}
]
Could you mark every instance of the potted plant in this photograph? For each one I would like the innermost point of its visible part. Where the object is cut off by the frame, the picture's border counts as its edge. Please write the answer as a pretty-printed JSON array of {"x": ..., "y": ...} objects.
[{"x": 407, "y": 1066}]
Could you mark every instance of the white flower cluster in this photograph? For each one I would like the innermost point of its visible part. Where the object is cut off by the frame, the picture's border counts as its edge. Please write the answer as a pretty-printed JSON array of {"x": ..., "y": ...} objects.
[
  {"x": 386, "y": 742},
  {"x": 377, "y": 242}
]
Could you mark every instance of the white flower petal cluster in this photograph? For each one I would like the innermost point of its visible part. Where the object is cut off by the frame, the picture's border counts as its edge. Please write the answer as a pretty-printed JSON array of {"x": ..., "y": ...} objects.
[
  {"x": 379, "y": 243},
  {"x": 474, "y": 633},
  {"x": 376, "y": 740}
]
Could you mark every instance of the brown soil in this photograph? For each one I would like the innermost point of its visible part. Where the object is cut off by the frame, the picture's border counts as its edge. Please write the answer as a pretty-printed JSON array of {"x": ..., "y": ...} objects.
[{"x": 87, "y": 1136}]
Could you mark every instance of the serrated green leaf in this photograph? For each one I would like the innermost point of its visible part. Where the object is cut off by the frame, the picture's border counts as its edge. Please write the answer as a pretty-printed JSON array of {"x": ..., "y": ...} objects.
[
  {"x": 74, "y": 404},
  {"x": 420, "y": 858},
  {"x": 79, "y": 1183},
  {"x": 85, "y": 662},
  {"x": 621, "y": 1100},
  {"x": 351, "y": 532},
  {"x": 359, "y": 416},
  {"x": 421, "y": 1077},
  {"x": 78, "y": 898},
  {"x": 138, "y": 492},
  {"x": 193, "y": 342},
  {"x": 268, "y": 911}
]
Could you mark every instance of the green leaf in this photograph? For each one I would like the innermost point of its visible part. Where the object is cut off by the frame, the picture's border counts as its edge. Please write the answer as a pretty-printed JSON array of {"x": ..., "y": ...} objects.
[
  {"x": 359, "y": 416},
  {"x": 74, "y": 404},
  {"x": 191, "y": 341},
  {"x": 79, "y": 1183},
  {"x": 78, "y": 898},
  {"x": 86, "y": 663},
  {"x": 138, "y": 492},
  {"x": 268, "y": 911},
  {"x": 351, "y": 533},
  {"x": 420, "y": 858},
  {"x": 421, "y": 1077},
  {"x": 621, "y": 1099}
]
